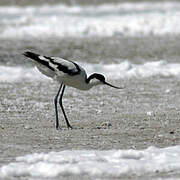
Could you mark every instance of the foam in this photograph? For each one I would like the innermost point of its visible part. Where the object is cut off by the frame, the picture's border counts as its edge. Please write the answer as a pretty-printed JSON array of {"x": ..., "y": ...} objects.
[
  {"x": 17, "y": 73},
  {"x": 127, "y": 69},
  {"x": 94, "y": 163},
  {"x": 122, "y": 70},
  {"x": 127, "y": 19}
]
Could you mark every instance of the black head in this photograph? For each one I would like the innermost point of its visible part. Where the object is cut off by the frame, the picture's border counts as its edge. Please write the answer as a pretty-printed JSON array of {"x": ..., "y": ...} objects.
[{"x": 101, "y": 79}]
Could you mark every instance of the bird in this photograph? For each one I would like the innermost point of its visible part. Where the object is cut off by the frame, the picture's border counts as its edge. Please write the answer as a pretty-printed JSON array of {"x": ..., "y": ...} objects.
[{"x": 67, "y": 73}]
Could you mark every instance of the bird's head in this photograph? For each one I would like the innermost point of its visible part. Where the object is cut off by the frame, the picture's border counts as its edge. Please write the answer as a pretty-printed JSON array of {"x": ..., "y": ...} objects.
[{"x": 99, "y": 79}]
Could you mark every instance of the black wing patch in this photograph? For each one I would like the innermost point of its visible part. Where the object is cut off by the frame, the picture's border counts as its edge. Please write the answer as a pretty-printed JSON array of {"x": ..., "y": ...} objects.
[
  {"x": 60, "y": 67},
  {"x": 36, "y": 58},
  {"x": 65, "y": 69}
]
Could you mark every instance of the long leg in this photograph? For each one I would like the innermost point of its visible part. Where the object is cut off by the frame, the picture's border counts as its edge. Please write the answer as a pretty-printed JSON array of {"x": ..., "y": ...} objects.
[
  {"x": 61, "y": 105},
  {"x": 55, "y": 102}
]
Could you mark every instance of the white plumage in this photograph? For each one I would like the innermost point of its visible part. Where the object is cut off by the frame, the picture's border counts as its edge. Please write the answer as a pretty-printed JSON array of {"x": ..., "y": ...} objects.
[{"x": 68, "y": 73}]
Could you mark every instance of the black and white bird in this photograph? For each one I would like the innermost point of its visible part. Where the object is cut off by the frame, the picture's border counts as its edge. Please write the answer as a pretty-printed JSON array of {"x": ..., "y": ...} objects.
[{"x": 67, "y": 73}]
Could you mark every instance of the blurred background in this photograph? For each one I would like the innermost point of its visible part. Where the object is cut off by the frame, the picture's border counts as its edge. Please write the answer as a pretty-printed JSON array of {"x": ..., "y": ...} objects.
[{"x": 106, "y": 31}]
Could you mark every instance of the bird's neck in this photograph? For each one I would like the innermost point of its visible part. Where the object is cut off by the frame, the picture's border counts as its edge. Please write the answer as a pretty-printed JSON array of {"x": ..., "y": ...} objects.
[
  {"x": 92, "y": 81},
  {"x": 89, "y": 78}
]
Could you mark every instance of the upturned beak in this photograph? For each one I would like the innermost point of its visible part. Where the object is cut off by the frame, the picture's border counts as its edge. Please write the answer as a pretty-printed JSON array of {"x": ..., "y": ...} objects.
[{"x": 113, "y": 86}]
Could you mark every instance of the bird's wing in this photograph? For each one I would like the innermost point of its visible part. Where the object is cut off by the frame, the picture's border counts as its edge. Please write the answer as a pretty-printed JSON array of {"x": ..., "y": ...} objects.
[
  {"x": 66, "y": 66},
  {"x": 56, "y": 64}
]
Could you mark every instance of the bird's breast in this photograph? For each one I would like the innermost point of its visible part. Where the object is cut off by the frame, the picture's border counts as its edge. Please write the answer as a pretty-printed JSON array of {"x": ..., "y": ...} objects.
[{"x": 76, "y": 81}]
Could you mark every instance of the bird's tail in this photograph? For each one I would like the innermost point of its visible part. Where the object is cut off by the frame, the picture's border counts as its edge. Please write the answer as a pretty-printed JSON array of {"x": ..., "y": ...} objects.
[
  {"x": 32, "y": 55},
  {"x": 43, "y": 60}
]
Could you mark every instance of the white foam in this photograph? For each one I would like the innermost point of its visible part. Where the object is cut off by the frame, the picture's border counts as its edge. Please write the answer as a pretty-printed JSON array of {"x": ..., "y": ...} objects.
[
  {"x": 122, "y": 70},
  {"x": 126, "y": 69},
  {"x": 11, "y": 74},
  {"x": 94, "y": 163},
  {"x": 129, "y": 19}
]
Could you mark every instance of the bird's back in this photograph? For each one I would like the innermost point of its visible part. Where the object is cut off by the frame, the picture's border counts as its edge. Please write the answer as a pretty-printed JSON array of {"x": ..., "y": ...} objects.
[{"x": 64, "y": 71}]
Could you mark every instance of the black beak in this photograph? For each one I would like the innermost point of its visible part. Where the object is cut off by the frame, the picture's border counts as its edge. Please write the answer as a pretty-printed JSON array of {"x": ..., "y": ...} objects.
[{"x": 113, "y": 86}]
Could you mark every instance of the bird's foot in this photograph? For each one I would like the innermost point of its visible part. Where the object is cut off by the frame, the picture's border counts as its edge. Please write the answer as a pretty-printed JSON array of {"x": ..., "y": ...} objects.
[
  {"x": 58, "y": 128},
  {"x": 70, "y": 127}
]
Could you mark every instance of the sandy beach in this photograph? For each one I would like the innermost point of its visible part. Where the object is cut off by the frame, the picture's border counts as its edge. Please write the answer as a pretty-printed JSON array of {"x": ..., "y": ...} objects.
[
  {"x": 144, "y": 59},
  {"x": 145, "y": 113}
]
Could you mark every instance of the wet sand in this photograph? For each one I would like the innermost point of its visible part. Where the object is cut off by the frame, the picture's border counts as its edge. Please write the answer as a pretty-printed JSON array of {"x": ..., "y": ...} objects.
[
  {"x": 145, "y": 113},
  {"x": 93, "y": 49}
]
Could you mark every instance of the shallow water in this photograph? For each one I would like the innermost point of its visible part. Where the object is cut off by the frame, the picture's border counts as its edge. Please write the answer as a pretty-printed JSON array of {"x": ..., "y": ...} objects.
[
  {"x": 136, "y": 46},
  {"x": 77, "y": 21}
]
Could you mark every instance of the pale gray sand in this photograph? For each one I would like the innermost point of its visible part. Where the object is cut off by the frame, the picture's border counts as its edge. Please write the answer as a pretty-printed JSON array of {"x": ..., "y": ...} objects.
[{"x": 145, "y": 113}]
